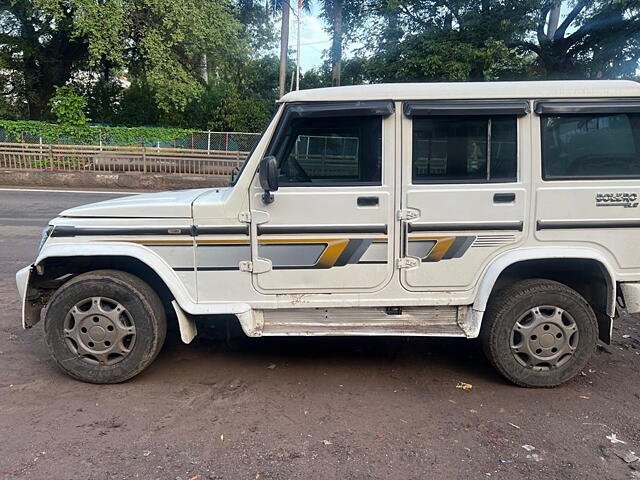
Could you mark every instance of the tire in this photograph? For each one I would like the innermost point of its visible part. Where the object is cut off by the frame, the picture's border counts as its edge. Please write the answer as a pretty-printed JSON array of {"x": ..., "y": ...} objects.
[
  {"x": 105, "y": 326},
  {"x": 526, "y": 321}
]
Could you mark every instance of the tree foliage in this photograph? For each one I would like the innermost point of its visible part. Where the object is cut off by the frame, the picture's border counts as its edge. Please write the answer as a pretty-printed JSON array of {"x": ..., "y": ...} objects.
[
  {"x": 596, "y": 39},
  {"x": 434, "y": 40},
  {"x": 161, "y": 42},
  {"x": 212, "y": 64}
]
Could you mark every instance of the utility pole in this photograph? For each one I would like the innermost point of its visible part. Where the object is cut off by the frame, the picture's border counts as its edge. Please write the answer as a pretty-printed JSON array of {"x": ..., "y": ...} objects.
[
  {"x": 336, "y": 46},
  {"x": 298, "y": 46},
  {"x": 284, "y": 45}
]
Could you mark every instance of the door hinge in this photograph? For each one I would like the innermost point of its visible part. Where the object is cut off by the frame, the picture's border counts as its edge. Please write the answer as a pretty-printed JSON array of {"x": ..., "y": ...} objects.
[
  {"x": 256, "y": 216},
  {"x": 407, "y": 262},
  {"x": 260, "y": 265},
  {"x": 408, "y": 214}
]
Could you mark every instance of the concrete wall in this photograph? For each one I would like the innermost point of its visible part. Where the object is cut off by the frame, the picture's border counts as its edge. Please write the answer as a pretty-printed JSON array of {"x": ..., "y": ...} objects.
[{"x": 107, "y": 180}]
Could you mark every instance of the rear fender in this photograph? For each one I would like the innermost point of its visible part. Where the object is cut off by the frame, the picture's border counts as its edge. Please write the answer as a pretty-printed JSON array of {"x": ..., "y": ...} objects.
[{"x": 493, "y": 271}]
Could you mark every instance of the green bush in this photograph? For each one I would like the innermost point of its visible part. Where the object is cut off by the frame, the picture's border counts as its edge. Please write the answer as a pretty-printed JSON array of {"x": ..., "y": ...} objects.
[
  {"x": 69, "y": 107},
  {"x": 92, "y": 135}
]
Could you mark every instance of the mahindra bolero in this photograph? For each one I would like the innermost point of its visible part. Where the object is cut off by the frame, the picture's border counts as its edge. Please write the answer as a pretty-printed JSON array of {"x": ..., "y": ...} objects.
[{"x": 504, "y": 211}]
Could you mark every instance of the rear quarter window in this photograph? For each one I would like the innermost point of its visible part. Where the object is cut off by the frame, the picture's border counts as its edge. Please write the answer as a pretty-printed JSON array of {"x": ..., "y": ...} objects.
[{"x": 590, "y": 146}]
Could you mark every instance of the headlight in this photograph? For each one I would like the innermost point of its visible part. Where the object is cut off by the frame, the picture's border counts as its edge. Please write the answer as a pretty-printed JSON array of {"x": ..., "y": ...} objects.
[{"x": 44, "y": 236}]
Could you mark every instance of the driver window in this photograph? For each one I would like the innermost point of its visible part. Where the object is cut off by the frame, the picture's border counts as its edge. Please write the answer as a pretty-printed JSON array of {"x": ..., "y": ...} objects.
[{"x": 331, "y": 151}]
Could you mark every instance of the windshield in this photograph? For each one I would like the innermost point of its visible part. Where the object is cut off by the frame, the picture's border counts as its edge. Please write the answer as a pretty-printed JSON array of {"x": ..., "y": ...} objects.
[{"x": 235, "y": 179}]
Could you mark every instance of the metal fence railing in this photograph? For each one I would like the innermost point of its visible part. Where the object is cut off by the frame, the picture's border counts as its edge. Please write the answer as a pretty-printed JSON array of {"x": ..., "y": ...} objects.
[
  {"x": 209, "y": 141},
  {"x": 92, "y": 158}
]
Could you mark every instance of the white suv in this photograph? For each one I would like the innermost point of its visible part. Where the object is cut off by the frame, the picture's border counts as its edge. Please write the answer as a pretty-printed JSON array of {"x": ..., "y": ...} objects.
[{"x": 507, "y": 211}]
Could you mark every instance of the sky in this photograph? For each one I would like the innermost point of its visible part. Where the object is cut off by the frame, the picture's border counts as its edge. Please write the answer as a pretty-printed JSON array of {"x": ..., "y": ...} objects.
[{"x": 313, "y": 39}]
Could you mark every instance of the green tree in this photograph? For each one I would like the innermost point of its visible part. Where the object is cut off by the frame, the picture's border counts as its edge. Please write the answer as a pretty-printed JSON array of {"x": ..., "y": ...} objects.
[
  {"x": 595, "y": 39},
  {"x": 161, "y": 42},
  {"x": 343, "y": 18},
  {"x": 282, "y": 8},
  {"x": 40, "y": 48},
  {"x": 436, "y": 40}
]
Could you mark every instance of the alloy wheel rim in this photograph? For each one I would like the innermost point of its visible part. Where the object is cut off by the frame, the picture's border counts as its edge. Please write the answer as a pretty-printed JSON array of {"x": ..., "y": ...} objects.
[
  {"x": 544, "y": 337},
  {"x": 99, "y": 331}
]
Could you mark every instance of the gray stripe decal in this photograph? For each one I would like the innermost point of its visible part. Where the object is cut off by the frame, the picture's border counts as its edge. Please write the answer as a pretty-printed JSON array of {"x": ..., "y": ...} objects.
[
  {"x": 353, "y": 252},
  {"x": 459, "y": 247}
]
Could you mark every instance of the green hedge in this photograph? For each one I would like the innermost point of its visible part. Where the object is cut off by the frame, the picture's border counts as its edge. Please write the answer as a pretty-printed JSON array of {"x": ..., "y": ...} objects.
[{"x": 93, "y": 135}]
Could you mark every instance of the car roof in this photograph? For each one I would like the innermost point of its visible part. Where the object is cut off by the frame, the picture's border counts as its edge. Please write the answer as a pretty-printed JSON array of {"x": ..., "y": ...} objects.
[{"x": 469, "y": 90}]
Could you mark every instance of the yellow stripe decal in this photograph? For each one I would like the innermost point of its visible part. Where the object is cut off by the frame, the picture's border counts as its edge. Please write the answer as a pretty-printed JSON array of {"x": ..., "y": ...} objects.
[{"x": 331, "y": 254}]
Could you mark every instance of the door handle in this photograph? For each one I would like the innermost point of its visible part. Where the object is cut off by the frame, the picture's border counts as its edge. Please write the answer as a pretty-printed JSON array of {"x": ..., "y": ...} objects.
[
  {"x": 368, "y": 201},
  {"x": 504, "y": 198}
]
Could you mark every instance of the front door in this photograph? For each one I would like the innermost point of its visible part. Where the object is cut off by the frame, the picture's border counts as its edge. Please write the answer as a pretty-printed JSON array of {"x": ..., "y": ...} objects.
[
  {"x": 329, "y": 225},
  {"x": 463, "y": 193}
]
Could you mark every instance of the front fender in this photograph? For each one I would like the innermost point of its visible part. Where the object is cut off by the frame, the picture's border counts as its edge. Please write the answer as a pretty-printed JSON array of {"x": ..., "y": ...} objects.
[
  {"x": 33, "y": 303},
  {"x": 31, "y": 309},
  {"x": 139, "y": 252}
]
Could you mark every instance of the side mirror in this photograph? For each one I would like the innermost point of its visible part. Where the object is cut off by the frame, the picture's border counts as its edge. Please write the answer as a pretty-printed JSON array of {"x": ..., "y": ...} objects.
[
  {"x": 268, "y": 177},
  {"x": 234, "y": 174}
]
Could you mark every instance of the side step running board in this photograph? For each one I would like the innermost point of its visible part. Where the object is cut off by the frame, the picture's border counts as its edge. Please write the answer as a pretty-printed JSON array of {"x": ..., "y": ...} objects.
[{"x": 412, "y": 321}]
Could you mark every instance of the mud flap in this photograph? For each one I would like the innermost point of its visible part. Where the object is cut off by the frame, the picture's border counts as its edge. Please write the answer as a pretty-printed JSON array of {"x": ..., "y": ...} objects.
[
  {"x": 187, "y": 324},
  {"x": 605, "y": 328}
]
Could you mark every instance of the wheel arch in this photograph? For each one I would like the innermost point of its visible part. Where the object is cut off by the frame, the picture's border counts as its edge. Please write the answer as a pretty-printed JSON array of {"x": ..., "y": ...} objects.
[
  {"x": 576, "y": 267},
  {"x": 57, "y": 264}
]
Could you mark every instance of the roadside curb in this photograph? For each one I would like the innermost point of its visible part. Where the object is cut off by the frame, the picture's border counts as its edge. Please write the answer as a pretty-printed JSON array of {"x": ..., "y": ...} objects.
[{"x": 107, "y": 180}]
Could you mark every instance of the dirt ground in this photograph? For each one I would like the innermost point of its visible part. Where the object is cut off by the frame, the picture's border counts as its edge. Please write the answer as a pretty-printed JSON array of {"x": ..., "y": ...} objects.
[{"x": 319, "y": 408}]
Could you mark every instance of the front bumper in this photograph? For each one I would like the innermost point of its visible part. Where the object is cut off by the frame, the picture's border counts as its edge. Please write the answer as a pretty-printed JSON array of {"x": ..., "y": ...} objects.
[{"x": 30, "y": 313}]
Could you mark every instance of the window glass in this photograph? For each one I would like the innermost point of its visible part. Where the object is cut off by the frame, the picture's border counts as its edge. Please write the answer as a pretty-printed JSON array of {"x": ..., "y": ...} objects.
[
  {"x": 456, "y": 149},
  {"x": 329, "y": 151},
  {"x": 591, "y": 145}
]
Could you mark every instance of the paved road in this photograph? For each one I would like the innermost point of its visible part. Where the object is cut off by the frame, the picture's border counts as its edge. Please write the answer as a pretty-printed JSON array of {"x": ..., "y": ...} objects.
[{"x": 299, "y": 408}]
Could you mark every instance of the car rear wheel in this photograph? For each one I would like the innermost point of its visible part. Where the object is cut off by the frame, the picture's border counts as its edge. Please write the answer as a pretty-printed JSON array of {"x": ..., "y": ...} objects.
[
  {"x": 539, "y": 333},
  {"x": 105, "y": 326}
]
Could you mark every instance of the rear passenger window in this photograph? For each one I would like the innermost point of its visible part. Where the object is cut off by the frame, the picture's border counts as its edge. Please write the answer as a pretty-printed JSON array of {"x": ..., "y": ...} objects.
[
  {"x": 331, "y": 151},
  {"x": 590, "y": 146},
  {"x": 464, "y": 149}
]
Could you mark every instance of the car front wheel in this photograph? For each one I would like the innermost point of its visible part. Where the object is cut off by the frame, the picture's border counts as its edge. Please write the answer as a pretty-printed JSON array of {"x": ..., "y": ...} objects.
[{"x": 105, "y": 326}]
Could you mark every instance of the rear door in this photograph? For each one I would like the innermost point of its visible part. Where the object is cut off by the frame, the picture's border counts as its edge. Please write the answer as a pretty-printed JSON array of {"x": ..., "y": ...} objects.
[
  {"x": 588, "y": 179},
  {"x": 463, "y": 193},
  {"x": 329, "y": 225}
]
